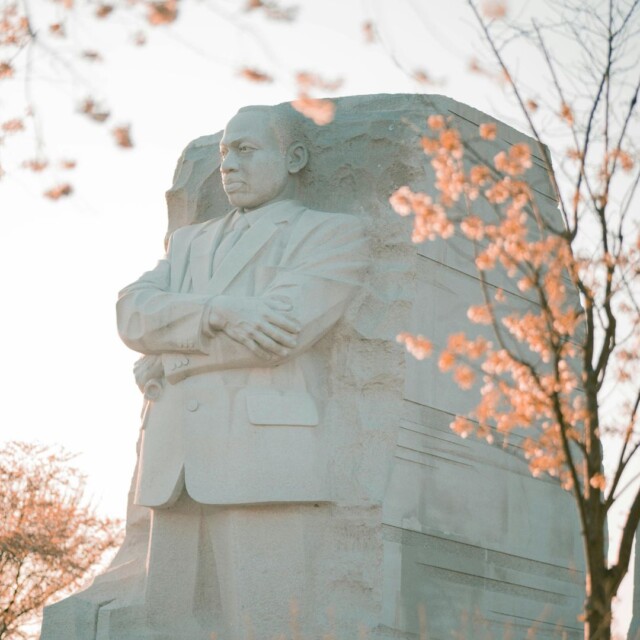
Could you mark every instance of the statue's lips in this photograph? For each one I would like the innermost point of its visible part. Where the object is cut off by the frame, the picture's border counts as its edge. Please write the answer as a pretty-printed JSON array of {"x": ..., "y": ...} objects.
[{"x": 231, "y": 186}]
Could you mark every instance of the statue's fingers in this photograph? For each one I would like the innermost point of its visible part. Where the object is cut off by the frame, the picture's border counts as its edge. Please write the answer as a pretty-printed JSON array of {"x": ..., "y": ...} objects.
[
  {"x": 284, "y": 322},
  {"x": 281, "y": 303},
  {"x": 248, "y": 341},
  {"x": 283, "y": 338},
  {"x": 269, "y": 344},
  {"x": 259, "y": 351}
]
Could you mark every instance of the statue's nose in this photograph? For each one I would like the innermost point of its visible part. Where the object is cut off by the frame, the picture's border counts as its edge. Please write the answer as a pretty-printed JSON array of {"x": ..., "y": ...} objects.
[{"x": 228, "y": 163}]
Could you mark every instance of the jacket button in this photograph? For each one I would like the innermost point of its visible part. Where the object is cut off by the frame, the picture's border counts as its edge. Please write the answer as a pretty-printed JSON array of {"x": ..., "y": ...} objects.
[{"x": 193, "y": 404}]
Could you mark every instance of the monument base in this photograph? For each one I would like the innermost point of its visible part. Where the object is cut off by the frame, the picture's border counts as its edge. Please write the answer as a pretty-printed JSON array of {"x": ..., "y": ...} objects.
[{"x": 259, "y": 572}]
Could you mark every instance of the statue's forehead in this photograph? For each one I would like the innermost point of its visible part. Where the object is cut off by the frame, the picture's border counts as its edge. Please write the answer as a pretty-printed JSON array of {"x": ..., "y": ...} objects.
[{"x": 256, "y": 123}]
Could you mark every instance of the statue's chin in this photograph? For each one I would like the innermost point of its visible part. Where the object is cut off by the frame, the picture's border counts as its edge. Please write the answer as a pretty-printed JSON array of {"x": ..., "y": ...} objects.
[
  {"x": 237, "y": 200},
  {"x": 234, "y": 202}
]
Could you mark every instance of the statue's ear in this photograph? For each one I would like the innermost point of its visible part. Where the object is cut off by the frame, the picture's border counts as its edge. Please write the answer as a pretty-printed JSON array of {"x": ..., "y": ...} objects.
[{"x": 297, "y": 157}]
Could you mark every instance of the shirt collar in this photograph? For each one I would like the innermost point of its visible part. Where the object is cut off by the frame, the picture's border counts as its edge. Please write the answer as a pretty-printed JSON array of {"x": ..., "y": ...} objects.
[{"x": 272, "y": 207}]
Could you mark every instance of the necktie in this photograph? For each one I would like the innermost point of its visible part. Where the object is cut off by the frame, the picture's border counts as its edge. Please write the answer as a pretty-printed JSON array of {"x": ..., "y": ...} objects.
[{"x": 239, "y": 227}]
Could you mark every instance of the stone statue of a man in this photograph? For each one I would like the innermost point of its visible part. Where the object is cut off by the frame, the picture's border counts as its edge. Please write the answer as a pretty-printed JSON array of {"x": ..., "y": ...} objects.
[
  {"x": 299, "y": 469},
  {"x": 234, "y": 451}
]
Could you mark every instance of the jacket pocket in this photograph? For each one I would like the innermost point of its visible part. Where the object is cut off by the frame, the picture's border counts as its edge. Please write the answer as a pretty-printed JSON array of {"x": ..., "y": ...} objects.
[{"x": 270, "y": 407}]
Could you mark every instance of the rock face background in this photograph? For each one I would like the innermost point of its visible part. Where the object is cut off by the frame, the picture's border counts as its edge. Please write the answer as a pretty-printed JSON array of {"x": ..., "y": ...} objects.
[{"x": 452, "y": 534}]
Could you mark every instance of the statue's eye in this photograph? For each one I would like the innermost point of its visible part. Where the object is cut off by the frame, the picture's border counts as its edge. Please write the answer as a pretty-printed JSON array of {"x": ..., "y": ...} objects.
[{"x": 244, "y": 148}]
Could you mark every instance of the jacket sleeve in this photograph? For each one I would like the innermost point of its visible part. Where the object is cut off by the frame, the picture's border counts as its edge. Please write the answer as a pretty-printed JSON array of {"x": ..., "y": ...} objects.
[
  {"x": 319, "y": 274},
  {"x": 153, "y": 319}
]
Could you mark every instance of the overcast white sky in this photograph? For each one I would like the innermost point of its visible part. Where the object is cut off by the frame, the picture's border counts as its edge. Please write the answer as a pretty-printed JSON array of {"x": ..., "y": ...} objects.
[{"x": 66, "y": 376}]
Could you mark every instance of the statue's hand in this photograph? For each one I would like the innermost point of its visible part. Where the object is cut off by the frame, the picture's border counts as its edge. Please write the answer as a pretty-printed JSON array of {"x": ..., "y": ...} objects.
[
  {"x": 147, "y": 368},
  {"x": 263, "y": 325}
]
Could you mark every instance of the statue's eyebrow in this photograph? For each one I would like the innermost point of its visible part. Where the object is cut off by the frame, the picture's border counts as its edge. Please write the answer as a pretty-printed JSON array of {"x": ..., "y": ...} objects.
[{"x": 234, "y": 142}]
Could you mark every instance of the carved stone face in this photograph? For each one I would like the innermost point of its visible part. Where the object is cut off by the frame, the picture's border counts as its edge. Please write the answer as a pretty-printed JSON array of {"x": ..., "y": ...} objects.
[{"x": 255, "y": 169}]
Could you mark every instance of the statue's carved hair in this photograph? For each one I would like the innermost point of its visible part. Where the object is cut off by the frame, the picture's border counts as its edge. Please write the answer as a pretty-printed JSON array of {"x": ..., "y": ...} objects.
[{"x": 290, "y": 125}]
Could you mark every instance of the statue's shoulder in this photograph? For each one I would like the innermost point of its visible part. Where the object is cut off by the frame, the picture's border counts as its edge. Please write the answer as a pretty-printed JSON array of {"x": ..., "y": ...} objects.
[
  {"x": 184, "y": 235},
  {"x": 329, "y": 219}
]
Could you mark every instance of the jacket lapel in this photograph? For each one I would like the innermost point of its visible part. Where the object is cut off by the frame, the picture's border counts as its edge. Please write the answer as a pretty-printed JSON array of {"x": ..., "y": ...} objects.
[
  {"x": 179, "y": 253},
  {"x": 202, "y": 250},
  {"x": 251, "y": 243}
]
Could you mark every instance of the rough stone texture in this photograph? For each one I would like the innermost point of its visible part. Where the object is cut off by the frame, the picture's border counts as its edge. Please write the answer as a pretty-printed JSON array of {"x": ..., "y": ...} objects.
[
  {"x": 634, "y": 627},
  {"x": 196, "y": 194},
  {"x": 426, "y": 525}
]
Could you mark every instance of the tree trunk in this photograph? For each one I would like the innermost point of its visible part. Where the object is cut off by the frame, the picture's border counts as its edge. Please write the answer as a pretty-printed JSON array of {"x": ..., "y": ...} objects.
[{"x": 597, "y": 625}]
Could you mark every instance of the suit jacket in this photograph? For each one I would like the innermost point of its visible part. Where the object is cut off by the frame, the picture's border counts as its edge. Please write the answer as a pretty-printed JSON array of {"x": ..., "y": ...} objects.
[{"x": 231, "y": 427}]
